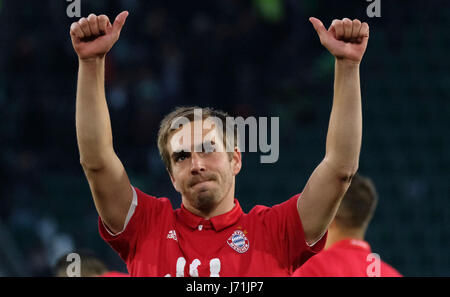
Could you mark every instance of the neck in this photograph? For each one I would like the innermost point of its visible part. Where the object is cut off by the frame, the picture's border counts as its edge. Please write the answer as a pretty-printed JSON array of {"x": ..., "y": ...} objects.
[{"x": 335, "y": 235}]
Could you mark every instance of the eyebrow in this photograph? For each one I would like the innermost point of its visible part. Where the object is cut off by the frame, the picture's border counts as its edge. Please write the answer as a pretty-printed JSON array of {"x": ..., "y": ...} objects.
[
  {"x": 175, "y": 155},
  {"x": 183, "y": 152}
]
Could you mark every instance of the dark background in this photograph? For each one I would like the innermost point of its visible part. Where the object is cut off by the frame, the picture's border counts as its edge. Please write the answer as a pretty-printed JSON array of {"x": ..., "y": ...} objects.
[{"x": 249, "y": 58}]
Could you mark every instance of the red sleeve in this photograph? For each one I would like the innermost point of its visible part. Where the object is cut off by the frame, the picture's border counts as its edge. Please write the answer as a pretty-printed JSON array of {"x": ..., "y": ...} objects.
[
  {"x": 114, "y": 274},
  {"x": 145, "y": 217},
  {"x": 282, "y": 223}
]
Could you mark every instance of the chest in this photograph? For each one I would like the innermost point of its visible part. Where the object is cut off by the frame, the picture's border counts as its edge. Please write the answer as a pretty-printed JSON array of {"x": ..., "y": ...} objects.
[{"x": 239, "y": 250}]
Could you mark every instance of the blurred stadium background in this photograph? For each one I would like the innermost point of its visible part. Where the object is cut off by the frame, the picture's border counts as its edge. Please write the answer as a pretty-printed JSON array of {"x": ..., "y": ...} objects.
[{"x": 259, "y": 58}]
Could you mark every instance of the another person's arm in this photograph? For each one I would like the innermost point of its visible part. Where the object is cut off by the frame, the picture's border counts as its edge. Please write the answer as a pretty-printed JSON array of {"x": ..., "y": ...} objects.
[
  {"x": 320, "y": 199},
  {"x": 92, "y": 38}
]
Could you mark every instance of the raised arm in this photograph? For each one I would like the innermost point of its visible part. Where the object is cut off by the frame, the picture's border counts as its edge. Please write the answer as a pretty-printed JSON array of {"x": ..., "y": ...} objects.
[
  {"x": 92, "y": 38},
  {"x": 347, "y": 41}
]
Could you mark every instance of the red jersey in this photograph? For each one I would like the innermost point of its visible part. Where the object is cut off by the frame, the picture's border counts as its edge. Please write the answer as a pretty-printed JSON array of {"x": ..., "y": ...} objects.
[
  {"x": 160, "y": 241},
  {"x": 346, "y": 258},
  {"x": 114, "y": 274}
]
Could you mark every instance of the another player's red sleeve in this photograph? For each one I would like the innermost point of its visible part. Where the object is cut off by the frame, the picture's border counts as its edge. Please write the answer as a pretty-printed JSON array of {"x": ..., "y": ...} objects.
[
  {"x": 114, "y": 274},
  {"x": 282, "y": 222},
  {"x": 146, "y": 216}
]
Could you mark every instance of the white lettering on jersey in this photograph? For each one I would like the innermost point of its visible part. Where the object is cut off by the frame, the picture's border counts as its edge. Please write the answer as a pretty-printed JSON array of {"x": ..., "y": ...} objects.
[
  {"x": 214, "y": 267},
  {"x": 181, "y": 262},
  {"x": 193, "y": 271}
]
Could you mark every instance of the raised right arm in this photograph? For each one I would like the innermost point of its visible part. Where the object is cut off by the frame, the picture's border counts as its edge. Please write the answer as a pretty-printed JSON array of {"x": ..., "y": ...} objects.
[{"x": 92, "y": 38}]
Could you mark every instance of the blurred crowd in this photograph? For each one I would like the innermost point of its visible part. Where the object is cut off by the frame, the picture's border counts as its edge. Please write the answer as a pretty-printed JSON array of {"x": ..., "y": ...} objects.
[
  {"x": 233, "y": 55},
  {"x": 259, "y": 58}
]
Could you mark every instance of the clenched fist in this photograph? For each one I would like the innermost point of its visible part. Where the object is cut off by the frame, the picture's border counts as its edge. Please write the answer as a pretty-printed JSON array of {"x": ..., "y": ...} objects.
[
  {"x": 345, "y": 39},
  {"x": 94, "y": 36}
]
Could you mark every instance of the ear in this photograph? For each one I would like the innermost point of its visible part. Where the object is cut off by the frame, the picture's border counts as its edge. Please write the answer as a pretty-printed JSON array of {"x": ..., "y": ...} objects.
[{"x": 236, "y": 162}]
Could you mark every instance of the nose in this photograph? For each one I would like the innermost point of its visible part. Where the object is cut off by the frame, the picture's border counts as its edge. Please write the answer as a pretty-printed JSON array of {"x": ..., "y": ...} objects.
[{"x": 197, "y": 163}]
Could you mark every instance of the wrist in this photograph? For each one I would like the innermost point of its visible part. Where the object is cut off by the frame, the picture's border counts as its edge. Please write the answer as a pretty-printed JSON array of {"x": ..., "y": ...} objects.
[
  {"x": 345, "y": 63},
  {"x": 97, "y": 60}
]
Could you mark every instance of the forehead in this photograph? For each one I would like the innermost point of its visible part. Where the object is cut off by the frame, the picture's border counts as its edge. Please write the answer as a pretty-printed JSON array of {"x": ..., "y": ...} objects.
[{"x": 194, "y": 133}]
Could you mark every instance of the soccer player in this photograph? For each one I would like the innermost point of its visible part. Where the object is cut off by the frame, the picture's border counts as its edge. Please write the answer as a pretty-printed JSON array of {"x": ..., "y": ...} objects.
[
  {"x": 210, "y": 235},
  {"x": 346, "y": 253}
]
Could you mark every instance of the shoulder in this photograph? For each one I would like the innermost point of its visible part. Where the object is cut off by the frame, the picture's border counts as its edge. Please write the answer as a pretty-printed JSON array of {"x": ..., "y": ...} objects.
[
  {"x": 330, "y": 257},
  {"x": 150, "y": 209},
  {"x": 149, "y": 200},
  {"x": 317, "y": 265}
]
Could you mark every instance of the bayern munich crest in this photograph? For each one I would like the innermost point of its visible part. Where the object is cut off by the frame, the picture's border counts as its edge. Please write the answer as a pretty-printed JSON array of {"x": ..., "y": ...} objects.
[{"x": 238, "y": 241}]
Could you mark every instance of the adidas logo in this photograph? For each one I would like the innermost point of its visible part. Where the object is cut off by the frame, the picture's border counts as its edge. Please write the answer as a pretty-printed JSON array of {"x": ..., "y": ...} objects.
[{"x": 172, "y": 235}]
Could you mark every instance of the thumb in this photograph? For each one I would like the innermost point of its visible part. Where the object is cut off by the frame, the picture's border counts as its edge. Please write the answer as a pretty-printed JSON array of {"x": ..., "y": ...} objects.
[
  {"x": 318, "y": 26},
  {"x": 119, "y": 21}
]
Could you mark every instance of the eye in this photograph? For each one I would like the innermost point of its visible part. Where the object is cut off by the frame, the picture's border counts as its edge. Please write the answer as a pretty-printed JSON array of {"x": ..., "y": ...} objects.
[{"x": 181, "y": 156}]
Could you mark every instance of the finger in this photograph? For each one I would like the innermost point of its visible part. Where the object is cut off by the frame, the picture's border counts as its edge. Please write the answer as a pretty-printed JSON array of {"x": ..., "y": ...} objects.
[
  {"x": 84, "y": 25},
  {"x": 348, "y": 28},
  {"x": 319, "y": 27},
  {"x": 75, "y": 30},
  {"x": 365, "y": 30},
  {"x": 363, "y": 33},
  {"x": 332, "y": 28},
  {"x": 339, "y": 28},
  {"x": 93, "y": 24},
  {"x": 103, "y": 22},
  {"x": 332, "y": 31},
  {"x": 356, "y": 29},
  {"x": 120, "y": 21}
]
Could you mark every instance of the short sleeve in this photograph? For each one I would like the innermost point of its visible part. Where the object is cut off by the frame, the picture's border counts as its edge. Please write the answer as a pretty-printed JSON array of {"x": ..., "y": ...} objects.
[
  {"x": 283, "y": 224},
  {"x": 142, "y": 217}
]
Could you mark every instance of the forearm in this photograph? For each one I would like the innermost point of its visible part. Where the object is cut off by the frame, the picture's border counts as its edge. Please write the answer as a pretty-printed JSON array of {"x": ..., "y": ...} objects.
[
  {"x": 330, "y": 180},
  {"x": 345, "y": 127},
  {"x": 93, "y": 125}
]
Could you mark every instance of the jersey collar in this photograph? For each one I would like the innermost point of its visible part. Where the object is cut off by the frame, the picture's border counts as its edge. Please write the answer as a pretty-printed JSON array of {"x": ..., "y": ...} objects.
[{"x": 217, "y": 223}]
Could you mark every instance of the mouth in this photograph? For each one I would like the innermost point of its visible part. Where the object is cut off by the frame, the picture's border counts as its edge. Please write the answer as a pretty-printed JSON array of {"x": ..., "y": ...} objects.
[{"x": 198, "y": 183}]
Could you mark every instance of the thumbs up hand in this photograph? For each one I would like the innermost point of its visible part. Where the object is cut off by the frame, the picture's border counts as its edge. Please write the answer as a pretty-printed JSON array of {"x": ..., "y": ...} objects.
[
  {"x": 94, "y": 36},
  {"x": 345, "y": 39}
]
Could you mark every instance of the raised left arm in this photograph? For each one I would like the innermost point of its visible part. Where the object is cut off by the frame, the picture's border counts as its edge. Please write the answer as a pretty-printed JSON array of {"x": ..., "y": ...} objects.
[{"x": 320, "y": 199}]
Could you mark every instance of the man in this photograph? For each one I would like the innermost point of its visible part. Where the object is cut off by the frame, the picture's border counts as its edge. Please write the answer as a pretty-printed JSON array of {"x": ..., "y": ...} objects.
[
  {"x": 346, "y": 253},
  {"x": 210, "y": 235}
]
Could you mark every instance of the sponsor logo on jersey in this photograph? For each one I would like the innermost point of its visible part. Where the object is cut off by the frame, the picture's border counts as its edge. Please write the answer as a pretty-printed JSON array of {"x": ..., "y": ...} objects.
[
  {"x": 172, "y": 235},
  {"x": 238, "y": 241}
]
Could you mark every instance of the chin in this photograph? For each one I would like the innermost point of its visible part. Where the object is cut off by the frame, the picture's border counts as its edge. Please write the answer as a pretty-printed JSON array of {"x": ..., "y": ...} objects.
[{"x": 206, "y": 201}]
